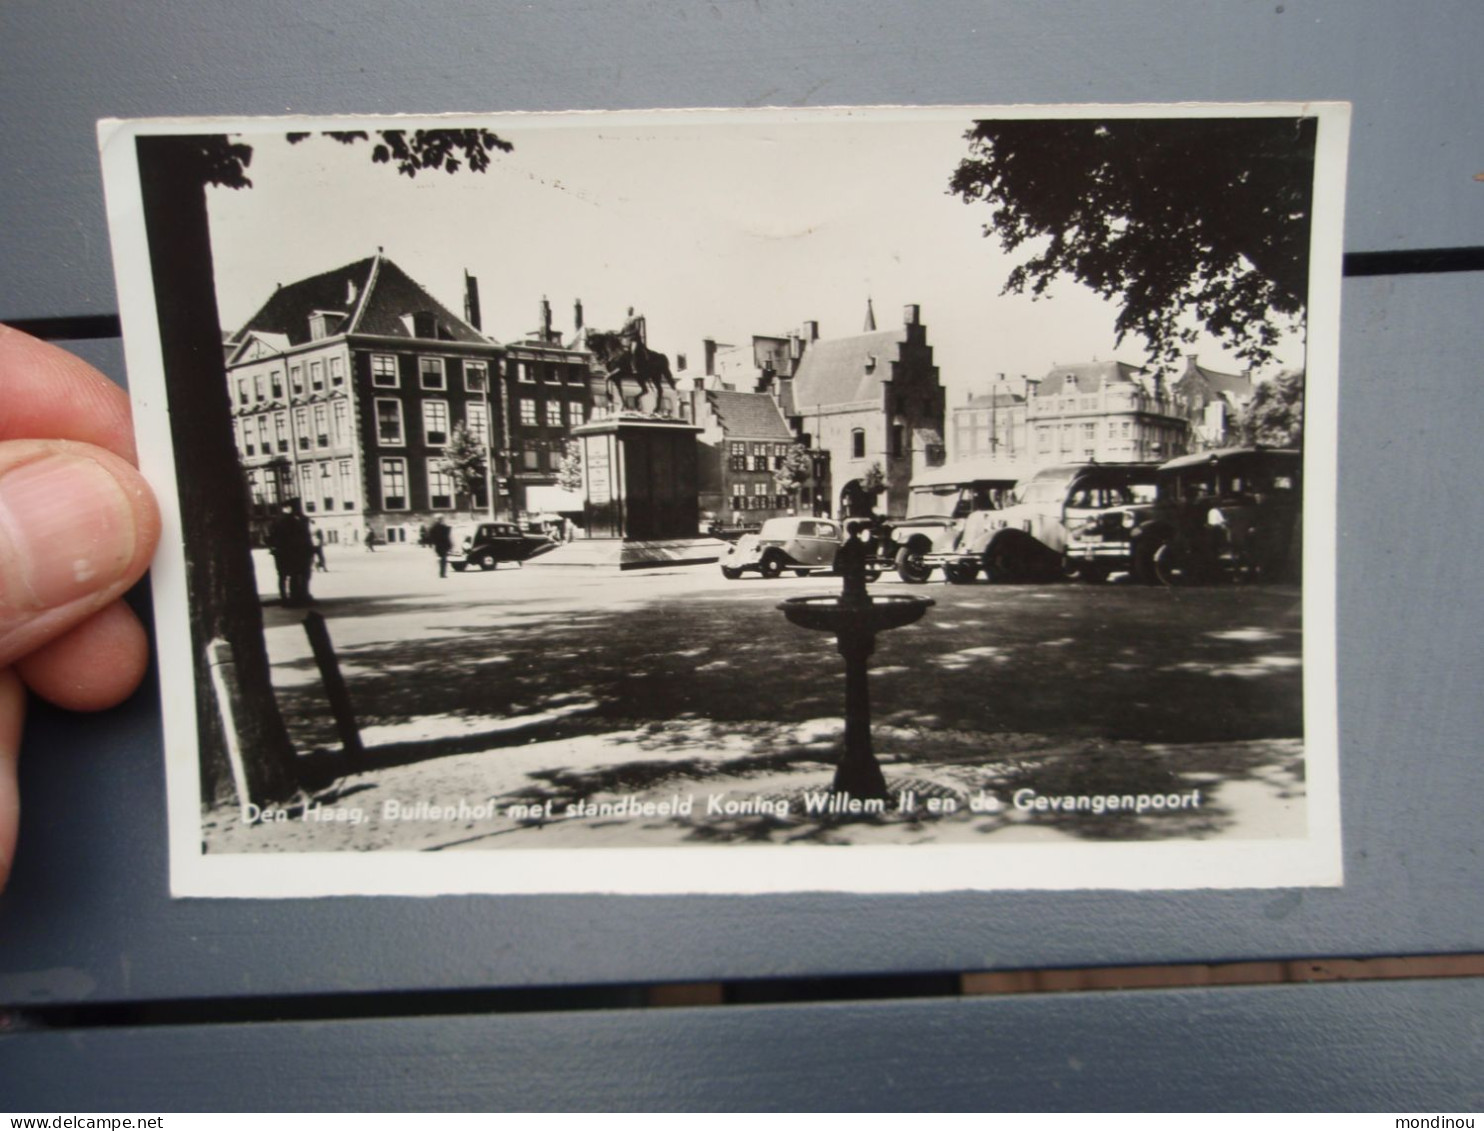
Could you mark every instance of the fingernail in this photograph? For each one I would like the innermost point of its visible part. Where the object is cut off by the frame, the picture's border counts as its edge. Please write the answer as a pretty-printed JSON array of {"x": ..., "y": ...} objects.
[{"x": 66, "y": 530}]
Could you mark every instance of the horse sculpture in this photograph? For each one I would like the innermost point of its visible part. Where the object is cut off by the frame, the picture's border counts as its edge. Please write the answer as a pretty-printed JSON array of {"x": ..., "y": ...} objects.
[{"x": 623, "y": 354}]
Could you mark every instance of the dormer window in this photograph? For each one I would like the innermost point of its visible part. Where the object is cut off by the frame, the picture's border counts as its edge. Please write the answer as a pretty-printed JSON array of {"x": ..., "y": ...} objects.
[
  {"x": 322, "y": 323},
  {"x": 870, "y": 363},
  {"x": 424, "y": 324}
]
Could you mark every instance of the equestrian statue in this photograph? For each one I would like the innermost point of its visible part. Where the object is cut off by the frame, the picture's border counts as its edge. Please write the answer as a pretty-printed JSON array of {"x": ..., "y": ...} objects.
[{"x": 623, "y": 355}]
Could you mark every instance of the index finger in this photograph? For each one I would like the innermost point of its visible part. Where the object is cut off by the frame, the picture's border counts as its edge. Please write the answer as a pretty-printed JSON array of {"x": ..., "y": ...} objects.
[{"x": 48, "y": 394}]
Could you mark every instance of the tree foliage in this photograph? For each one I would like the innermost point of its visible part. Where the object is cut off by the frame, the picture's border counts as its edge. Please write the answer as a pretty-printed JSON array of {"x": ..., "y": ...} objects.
[
  {"x": 796, "y": 469},
  {"x": 1275, "y": 415},
  {"x": 569, "y": 470},
  {"x": 465, "y": 461},
  {"x": 449, "y": 150},
  {"x": 1181, "y": 221}
]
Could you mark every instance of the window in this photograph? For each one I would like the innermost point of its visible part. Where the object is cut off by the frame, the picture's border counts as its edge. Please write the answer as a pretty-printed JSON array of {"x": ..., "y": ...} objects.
[
  {"x": 435, "y": 422},
  {"x": 327, "y": 485},
  {"x": 306, "y": 486},
  {"x": 553, "y": 414},
  {"x": 275, "y": 382},
  {"x": 898, "y": 440},
  {"x": 317, "y": 376},
  {"x": 440, "y": 486},
  {"x": 340, "y": 412},
  {"x": 781, "y": 502},
  {"x": 296, "y": 379},
  {"x": 257, "y": 387},
  {"x": 430, "y": 373},
  {"x": 389, "y": 421},
  {"x": 760, "y": 489},
  {"x": 242, "y": 394},
  {"x": 858, "y": 443},
  {"x": 263, "y": 434},
  {"x": 739, "y": 502},
  {"x": 394, "y": 483},
  {"x": 281, "y": 430},
  {"x": 576, "y": 412},
  {"x": 739, "y": 457},
  {"x": 301, "y": 427},
  {"x": 347, "y": 484},
  {"x": 476, "y": 419},
  {"x": 530, "y": 458},
  {"x": 337, "y": 372},
  {"x": 248, "y": 448},
  {"x": 384, "y": 371},
  {"x": 476, "y": 377},
  {"x": 321, "y": 427},
  {"x": 527, "y": 411},
  {"x": 525, "y": 372}
]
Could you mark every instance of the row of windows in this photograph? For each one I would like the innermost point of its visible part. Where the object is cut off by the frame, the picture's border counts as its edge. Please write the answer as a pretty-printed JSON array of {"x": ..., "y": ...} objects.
[
  {"x": 549, "y": 413},
  {"x": 1117, "y": 429},
  {"x": 432, "y": 375},
  {"x": 260, "y": 387},
  {"x": 307, "y": 427},
  {"x": 435, "y": 419},
  {"x": 394, "y": 495},
  {"x": 323, "y": 487},
  {"x": 759, "y": 502},
  {"x": 546, "y": 372}
]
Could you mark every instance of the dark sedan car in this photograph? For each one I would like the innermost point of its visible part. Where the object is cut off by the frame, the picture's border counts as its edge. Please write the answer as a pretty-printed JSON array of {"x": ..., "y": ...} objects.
[{"x": 487, "y": 545}]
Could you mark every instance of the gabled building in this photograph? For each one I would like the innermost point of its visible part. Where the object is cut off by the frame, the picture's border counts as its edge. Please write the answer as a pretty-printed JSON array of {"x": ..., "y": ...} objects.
[
  {"x": 744, "y": 442},
  {"x": 1213, "y": 402},
  {"x": 346, "y": 388},
  {"x": 874, "y": 404}
]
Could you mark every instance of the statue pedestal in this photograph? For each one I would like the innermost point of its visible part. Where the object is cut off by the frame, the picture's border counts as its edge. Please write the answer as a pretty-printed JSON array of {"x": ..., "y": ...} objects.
[{"x": 639, "y": 479}]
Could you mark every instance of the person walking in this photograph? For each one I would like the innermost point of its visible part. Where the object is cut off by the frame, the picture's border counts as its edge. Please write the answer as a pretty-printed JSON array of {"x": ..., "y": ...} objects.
[{"x": 441, "y": 539}]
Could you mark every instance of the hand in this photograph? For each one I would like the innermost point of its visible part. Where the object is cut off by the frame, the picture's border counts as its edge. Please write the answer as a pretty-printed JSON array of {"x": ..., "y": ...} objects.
[{"x": 78, "y": 526}]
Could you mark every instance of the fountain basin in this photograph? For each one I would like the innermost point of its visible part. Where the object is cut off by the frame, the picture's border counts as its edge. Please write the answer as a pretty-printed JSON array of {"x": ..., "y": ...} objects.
[{"x": 831, "y": 614}]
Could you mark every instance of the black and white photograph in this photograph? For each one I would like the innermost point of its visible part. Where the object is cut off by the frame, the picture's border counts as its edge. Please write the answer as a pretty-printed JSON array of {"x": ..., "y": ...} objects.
[{"x": 869, "y": 499}]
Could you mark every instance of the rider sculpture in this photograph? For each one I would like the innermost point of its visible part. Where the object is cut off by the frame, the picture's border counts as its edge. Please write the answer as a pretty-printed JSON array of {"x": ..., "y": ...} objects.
[{"x": 626, "y": 355}]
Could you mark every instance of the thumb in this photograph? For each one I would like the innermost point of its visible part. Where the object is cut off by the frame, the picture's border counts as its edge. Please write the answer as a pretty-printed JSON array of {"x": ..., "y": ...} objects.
[{"x": 77, "y": 528}]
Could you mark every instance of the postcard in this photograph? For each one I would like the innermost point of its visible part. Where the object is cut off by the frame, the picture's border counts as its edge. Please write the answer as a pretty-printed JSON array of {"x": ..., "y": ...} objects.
[{"x": 891, "y": 499}]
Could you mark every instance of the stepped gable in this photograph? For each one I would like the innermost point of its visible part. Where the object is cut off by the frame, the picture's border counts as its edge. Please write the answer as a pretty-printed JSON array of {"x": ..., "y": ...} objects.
[
  {"x": 754, "y": 415},
  {"x": 835, "y": 371}
]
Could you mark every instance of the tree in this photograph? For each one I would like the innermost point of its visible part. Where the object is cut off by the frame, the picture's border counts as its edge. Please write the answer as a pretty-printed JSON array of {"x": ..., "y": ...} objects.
[
  {"x": 466, "y": 461},
  {"x": 1176, "y": 219},
  {"x": 795, "y": 470},
  {"x": 174, "y": 172},
  {"x": 1275, "y": 415},
  {"x": 874, "y": 480},
  {"x": 569, "y": 471}
]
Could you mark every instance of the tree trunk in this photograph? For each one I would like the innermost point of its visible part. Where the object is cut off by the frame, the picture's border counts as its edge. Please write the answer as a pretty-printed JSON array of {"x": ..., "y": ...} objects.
[{"x": 213, "y": 505}]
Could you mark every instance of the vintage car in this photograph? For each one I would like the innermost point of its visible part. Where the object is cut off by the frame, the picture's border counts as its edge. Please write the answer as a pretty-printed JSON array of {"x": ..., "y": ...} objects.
[
  {"x": 804, "y": 545},
  {"x": 1232, "y": 514},
  {"x": 1027, "y": 540},
  {"x": 937, "y": 503},
  {"x": 486, "y": 545}
]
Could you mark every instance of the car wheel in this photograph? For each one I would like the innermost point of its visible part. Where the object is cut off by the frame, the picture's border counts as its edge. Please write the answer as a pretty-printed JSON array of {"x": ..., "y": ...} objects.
[
  {"x": 486, "y": 561},
  {"x": 910, "y": 566},
  {"x": 771, "y": 566},
  {"x": 1002, "y": 565},
  {"x": 730, "y": 573},
  {"x": 960, "y": 573},
  {"x": 1165, "y": 562},
  {"x": 801, "y": 573},
  {"x": 459, "y": 567},
  {"x": 1092, "y": 573},
  {"x": 872, "y": 575}
]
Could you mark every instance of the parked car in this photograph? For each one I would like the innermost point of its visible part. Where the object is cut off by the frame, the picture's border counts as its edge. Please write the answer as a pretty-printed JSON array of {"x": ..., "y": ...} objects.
[
  {"x": 486, "y": 545},
  {"x": 1027, "y": 540},
  {"x": 1233, "y": 514},
  {"x": 804, "y": 545},
  {"x": 938, "y": 501}
]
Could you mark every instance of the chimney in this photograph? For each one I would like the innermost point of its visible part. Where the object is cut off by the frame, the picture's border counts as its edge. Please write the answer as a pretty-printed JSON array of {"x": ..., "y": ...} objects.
[
  {"x": 709, "y": 345},
  {"x": 811, "y": 332},
  {"x": 577, "y": 316},
  {"x": 870, "y": 323},
  {"x": 545, "y": 320},
  {"x": 911, "y": 314},
  {"x": 471, "y": 301}
]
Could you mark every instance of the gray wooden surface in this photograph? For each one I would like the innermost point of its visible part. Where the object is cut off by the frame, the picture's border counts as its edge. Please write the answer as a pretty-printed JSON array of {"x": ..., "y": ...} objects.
[{"x": 88, "y": 919}]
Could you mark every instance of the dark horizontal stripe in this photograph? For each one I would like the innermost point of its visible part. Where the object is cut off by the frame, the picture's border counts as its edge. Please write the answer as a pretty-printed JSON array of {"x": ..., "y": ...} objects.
[
  {"x": 1429, "y": 261},
  {"x": 72, "y": 328},
  {"x": 1426, "y": 262}
]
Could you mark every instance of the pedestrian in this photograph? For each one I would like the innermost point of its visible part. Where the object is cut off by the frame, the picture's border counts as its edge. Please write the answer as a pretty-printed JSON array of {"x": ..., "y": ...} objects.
[
  {"x": 292, "y": 547},
  {"x": 370, "y": 541},
  {"x": 319, "y": 549},
  {"x": 441, "y": 539}
]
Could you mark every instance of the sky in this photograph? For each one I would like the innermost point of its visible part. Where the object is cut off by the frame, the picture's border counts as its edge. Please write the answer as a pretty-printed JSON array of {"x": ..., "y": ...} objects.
[{"x": 711, "y": 225}]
